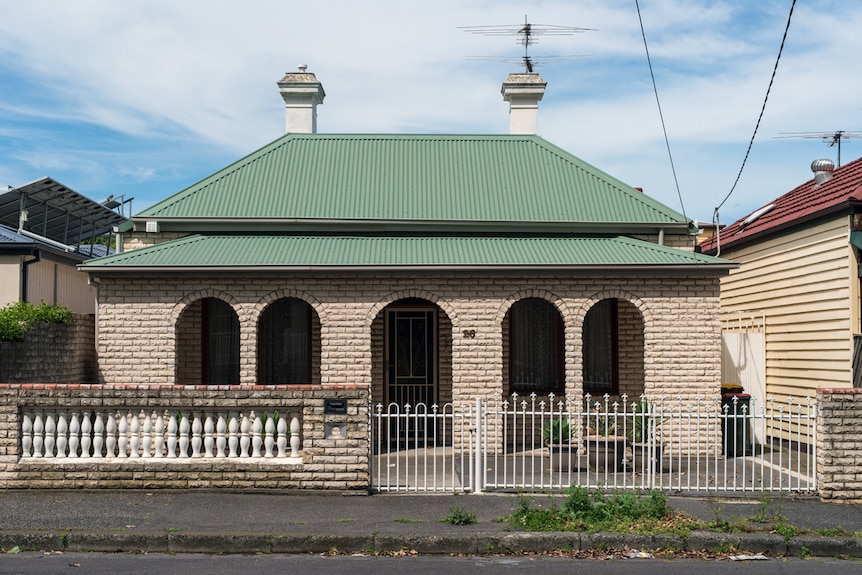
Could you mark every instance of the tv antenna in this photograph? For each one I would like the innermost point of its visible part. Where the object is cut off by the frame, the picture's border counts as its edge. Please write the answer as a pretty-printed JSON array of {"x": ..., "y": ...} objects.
[
  {"x": 527, "y": 35},
  {"x": 831, "y": 138}
]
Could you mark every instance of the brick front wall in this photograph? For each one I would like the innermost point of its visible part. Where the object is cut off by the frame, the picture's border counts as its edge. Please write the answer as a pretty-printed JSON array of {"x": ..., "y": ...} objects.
[
  {"x": 55, "y": 353},
  {"x": 839, "y": 445},
  {"x": 333, "y": 464}
]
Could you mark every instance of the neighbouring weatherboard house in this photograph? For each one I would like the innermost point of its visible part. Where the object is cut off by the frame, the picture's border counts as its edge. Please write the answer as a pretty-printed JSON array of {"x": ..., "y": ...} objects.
[{"x": 799, "y": 280}]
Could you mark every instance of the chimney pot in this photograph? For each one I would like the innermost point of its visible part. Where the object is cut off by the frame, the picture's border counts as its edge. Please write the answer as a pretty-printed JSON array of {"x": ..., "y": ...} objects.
[
  {"x": 301, "y": 93},
  {"x": 523, "y": 92}
]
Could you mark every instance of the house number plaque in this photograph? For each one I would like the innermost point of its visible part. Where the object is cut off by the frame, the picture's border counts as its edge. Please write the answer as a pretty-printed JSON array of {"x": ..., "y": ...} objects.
[{"x": 470, "y": 333}]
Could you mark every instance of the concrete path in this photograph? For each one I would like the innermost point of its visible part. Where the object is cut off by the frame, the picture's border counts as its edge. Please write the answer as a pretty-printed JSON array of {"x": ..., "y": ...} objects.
[{"x": 231, "y": 522}]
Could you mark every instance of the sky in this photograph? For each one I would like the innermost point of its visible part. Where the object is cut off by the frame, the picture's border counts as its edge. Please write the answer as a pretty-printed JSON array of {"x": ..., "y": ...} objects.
[{"x": 143, "y": 98}]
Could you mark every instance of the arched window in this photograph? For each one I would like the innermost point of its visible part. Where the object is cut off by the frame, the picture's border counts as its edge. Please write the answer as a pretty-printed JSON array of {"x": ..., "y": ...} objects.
[
  {"x": 601, "y": 348},
  {"x": 284, "y": 343},
  {"x": 536, "y": 347},
  {"x": 220, "y": 343}
]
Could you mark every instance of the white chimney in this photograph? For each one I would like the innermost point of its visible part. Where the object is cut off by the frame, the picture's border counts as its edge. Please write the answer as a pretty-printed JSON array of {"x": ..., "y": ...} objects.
[
  {"x": 523, "y": 92},
  {"x": 302, "y": 93},
  {"x": 822, "y": 171}
]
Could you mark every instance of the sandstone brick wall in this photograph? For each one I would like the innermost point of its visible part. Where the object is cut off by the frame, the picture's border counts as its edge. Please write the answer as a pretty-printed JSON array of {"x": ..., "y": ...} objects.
[
  {"x": 139, "y": 238},
  {"x": 681, "y": 333},
  {"x": 54, "y": 353},
  {"x": 839, "y": 445},
  {"x": 334, "y": 464}
]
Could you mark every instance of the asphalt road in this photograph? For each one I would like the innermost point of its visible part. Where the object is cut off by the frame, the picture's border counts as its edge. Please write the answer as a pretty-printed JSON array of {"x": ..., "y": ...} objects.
[{"x": 121, "y": 564}]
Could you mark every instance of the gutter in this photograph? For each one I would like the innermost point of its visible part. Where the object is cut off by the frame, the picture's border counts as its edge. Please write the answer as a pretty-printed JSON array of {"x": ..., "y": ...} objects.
[
  {"x": 25, "y": 272},
  {"x": 723, "y": 266},
  {"x": 348, "y": 225}
]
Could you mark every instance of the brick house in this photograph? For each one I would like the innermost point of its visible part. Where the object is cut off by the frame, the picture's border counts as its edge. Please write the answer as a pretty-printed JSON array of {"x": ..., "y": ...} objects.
[
  {"x": 324, "y": 272},
  {"x": 425, "y": 268}
]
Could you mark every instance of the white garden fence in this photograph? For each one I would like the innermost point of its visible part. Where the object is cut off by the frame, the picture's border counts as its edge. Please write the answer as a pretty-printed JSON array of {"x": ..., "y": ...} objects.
[{"x": 533, "y": 443}]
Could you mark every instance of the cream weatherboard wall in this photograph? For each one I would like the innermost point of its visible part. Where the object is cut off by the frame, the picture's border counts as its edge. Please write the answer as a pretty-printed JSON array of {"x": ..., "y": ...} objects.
[
  {"x": 806, "y": 285},
  {"x": 56, "y": 283}
]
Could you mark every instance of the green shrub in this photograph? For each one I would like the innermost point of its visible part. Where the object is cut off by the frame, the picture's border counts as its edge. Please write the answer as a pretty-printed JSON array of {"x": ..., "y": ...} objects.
[{"x": 16, "y": 319}]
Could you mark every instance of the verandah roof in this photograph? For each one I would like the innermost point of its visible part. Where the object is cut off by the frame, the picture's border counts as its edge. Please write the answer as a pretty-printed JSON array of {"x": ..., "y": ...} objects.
[{"x": 288, "y": 252}]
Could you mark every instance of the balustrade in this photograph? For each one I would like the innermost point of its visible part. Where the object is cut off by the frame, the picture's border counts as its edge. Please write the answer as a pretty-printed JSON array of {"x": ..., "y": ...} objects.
[{"x": 122, "y": 434}]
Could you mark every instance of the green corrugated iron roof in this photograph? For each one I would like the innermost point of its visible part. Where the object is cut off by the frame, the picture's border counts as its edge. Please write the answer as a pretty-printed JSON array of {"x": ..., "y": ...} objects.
[
  {"x": 339, "y": 180},
  {"x": 227, "y": 251}
]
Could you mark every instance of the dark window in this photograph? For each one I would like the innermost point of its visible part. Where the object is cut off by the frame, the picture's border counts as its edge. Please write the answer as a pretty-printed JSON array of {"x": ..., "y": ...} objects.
[
  {"x": 536, "y": 347},
  {"x": 220, "y": 335},
  {"x": 601, "y": 356},
  {"x": 285, "y": 342}
]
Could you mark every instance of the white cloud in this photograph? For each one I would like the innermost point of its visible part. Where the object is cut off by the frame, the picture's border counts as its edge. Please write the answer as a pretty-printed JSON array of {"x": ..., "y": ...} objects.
[{"x": 198, "y": 76}]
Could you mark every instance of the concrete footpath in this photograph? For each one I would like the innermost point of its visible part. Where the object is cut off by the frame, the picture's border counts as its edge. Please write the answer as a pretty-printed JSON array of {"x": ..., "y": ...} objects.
[{"x": 262, "y": 522}]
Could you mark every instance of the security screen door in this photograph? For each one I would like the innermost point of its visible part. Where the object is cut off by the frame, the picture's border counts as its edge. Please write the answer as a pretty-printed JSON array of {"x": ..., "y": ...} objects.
[{"x": 410, "y": 357}]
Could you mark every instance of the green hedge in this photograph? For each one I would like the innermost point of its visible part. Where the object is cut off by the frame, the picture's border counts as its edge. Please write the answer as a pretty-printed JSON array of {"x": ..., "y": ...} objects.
[{"x": 16, "y": 319}]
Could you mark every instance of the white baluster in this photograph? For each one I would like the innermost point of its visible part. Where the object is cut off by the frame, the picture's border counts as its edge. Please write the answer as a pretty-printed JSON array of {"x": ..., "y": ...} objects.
[
  {"x": 221, "y": 440},
  {"x": 86, "y": 434},
  {"x": 256, "y": 428},
  {"x": 26, "y": 435},
  {"x": 172, "y": 435},
  {"x": 50, "y": 434},
  {"x": 62, "y": 435},
  {"x": 209, "y": 440},
  {"x": 98, "y": 435},
  {"x": 184, "y": 435},
  {"x": 269, "y": 440},
  {"x": 38, "y": 437},
  {"x": 147, "y": 441},
  {"x": 111, "y": 435},
  {"x": 294, "y": 437},
  {"x": 196, "y": 435},
  {"x": 74, "y": 434},
  {"x": 282, "y": 436},
  {"x": 122, "y": 440},
  {"x": 159, "y": 435},
  {"x": 232, "y": 440},
  {"x": 244, "y": 438},
  {"x": 134, "y": 435}
]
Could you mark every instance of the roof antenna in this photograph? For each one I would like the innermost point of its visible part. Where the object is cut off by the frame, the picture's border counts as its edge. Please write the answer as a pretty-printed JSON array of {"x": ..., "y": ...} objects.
[
  {"x": 527, "y": 36},
  {"x": 831, "y": 138}
]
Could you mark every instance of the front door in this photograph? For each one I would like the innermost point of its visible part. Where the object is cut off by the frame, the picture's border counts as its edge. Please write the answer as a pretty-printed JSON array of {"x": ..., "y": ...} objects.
[{"x": 411, "y": 357}]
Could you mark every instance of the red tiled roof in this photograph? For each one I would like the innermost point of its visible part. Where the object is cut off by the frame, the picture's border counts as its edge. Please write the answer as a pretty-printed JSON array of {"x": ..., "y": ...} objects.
[{"x": 801, "y": 204}]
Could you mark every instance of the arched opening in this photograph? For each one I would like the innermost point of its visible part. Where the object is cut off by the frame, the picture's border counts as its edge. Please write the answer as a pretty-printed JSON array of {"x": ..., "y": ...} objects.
[
  {"x": 613, "y": 349},
  {"x": 208, "y": 344},
  {"x": 533, "y": 341},
  {"x": 288, "y": 343}
]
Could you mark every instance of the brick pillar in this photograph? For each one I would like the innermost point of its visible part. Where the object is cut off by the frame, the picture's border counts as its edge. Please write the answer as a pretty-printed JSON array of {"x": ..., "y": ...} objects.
[{"x": 839, "y": 445}]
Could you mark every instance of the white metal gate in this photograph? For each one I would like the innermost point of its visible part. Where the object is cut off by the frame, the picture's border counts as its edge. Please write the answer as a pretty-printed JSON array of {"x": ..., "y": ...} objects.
[{"x": 678, "y": 445}]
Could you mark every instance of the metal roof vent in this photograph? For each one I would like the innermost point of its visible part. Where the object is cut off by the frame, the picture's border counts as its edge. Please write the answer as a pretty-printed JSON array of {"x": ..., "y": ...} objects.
[{"x": 822, "y": 170}]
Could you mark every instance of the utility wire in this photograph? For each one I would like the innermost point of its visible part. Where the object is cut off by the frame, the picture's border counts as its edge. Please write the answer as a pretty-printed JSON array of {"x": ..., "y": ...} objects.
[
  {"x": 660, "y": 115},
  {"x": 762, "y": 110}
]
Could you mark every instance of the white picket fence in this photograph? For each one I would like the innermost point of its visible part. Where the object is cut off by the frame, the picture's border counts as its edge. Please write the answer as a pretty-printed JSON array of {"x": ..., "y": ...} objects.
[
  {"x": 676, "y": 445},
  {"x": 160, "y": 434}
]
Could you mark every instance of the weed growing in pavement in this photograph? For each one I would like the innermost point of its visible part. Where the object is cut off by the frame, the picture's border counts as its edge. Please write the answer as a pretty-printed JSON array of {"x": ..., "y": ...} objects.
[
  {"x": 459, "y": 516},
  {"x": 765, "y": 514},
  {"x": 786, "y": 531},
  {"x": 624, "y": 512}
]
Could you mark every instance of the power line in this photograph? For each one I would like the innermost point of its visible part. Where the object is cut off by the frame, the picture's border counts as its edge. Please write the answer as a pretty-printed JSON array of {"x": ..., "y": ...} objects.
[
  {"x": 660, "y": 115},
  {"x": 762, "y": 110}
]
